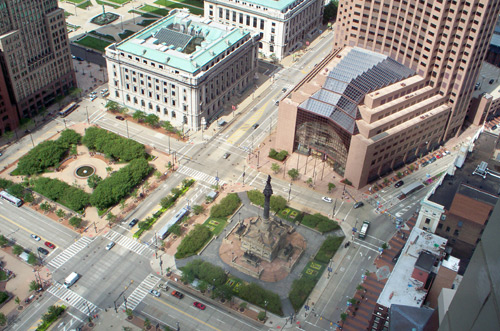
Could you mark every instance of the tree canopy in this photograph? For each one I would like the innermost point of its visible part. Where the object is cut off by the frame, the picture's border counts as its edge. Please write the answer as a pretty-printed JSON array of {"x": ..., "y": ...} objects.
[{"x": 113, "y": 145}]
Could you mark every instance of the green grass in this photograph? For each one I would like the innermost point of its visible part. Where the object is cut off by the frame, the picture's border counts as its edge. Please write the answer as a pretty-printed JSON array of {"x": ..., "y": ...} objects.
[
  {"x": 146, "y": 15},
  {"x": 85, "y": 4},
  {"x": 3, "y": 275},
  {"x": 67, "y": 14},
  {"x": 216, "y": 225},
  {"x": 105, "y": 36},
  {"x": 100, "y": 2},
  {"x": 174, "y": 5},
  {"x": 146, "y": 22},
  {"x": 314, "y": 270},
  {"x": 154, "y": 10},
  {"x": 289, "y": 214},
  {"x": 94, "y": 43},
  {"x": 125, "y": 34},
  {"x": 194, "y": 3},
  {"x": 121, "y": 2},
  {"x": 75, "y": 1}
]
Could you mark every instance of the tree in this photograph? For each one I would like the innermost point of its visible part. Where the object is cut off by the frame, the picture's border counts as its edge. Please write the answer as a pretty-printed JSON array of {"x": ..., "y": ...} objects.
[
  {"x": 69, "y": 137},
  {"x": 168, "y": 126},
  {"x": 343, "y": 317},
  {"x": 175, "y": 229},
  {"x": 261, "y": 316},
  {"x": 3, "y": 240},
  {"x": 277, "y": 203},
  {"x": 34, "y": 285},
  {"x": 75, "y": 92},
  {"x": 139, "y": 116},
  {"x": 129, "y": 312},
  {"x": 3, "y": 319},
  {"x": 17, "y": 249},
  {"x": 399, "y": 174},
  {"x": 113, "y": 106},
  {"x": 293, "y": 173},
  {"x": 197, "y": 209},
  {"x": 147, "y": 323},
  {"x": 152, "y": 120},
  {"x": 31, "y": 258},
  {"x": 331, "y": 186},
  {"x": 17, "y": 300},
  {"x": 28, "y": 197},
  {"x": 330, "y": 12},
  {"x": 275, "y": 167},
  {"x": 9, "y": 135},
  {"x": 111, "y": 218},
  {"x": 157, "y": 174},
  {"x": 75, "y": 222},
  {"x": 93, "y": 181},
  {"x": 309, "y": 182}
]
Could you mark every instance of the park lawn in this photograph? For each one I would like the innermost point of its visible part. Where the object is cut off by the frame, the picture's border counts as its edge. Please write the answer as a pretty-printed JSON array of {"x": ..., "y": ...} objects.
[
  {"x": 105, "y": 36},
  {"x": 146, "y": 22},
  {"x": 216, "y": 225},
  {"x": 289, "y": 214},
  {"x": 173, "y": 5},
  {"x": 194, "y": 3},
  {"x": 75, "y": 1},
  {"x": 100, "y": 2},
  {"x": 314, "y": 269},
  {"x": 121, "y": 2},
  {"x": 85, "y": 4},
  {"x": 154, "y": 10},
  {"x": 125, "y": 34},
  {"x": 94, "y": 43}
]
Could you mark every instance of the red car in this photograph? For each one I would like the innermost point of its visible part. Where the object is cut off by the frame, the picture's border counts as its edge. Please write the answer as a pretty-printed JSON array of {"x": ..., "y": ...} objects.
[
  {"x": 199, "y": 305},
  {"x": 177, "y": 294},
  {"x": 50, "y": 245}
]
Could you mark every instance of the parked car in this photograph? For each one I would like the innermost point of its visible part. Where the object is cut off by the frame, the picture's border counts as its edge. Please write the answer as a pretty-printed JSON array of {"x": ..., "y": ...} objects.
[
  {"x": 133, "y": 222},
  {"x": 199, "y": 305},
  {"x": 43, "y": 251},
  {"x": 35, "y": 237},
  {"x": 79, "y": 58},
  {"x": 492, "y": 81},
  {"x": 110, "y": 245},
  {"x": 226, "y": 155},
  {"x": 358, "y": 205},
  {"x": 494, "y": 127},
  {"x": 399, "y": 184},
  {"x": 277, "y": 103},
  {"x": 50, "y": 245},
  {"x": 432, "y": 160},
  {"x": 177, "y": 294},
  {"x": 326, "y": 199},
  {"x": 255, "y": 126},
  {"x": 155, "y": 293},
  {"x": 92, "y": 98},
  {"x": 121, "y": 118},
  {"x": 283, "y": 89}
]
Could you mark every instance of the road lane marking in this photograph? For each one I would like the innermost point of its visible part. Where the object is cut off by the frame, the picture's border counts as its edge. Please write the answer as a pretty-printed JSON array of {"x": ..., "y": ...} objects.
[{"x": 186, "y": 314}]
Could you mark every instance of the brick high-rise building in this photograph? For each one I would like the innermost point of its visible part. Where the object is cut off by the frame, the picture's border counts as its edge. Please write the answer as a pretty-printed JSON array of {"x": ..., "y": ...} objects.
[
  {"x": 35, "y": 57},
  {"x": 365, "y": 114}
]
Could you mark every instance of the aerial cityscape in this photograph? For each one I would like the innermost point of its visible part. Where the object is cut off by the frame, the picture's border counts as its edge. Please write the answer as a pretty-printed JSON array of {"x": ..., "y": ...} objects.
[{"x": 249, "y": 165}]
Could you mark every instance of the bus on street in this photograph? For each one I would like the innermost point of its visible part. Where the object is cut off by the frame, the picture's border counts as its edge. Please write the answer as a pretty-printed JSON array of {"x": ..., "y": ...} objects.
[{"x": 68, "y": 109}]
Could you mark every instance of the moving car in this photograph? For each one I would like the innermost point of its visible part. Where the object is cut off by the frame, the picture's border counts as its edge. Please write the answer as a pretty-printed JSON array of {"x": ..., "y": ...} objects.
[
  {"x": 43, "y": 251},
  {"x": 283, "y": 89},
  {"x": 277, "y": 103},
  {"x": 364, "y": 230},
  {"x": 35, "y": 237},
  {"x": 110, "y": 245},
  {"x": 399, "y": 184},
  {"x": 50, "y": 245},
  {"x": 494, "y": 127},
  {"x": 326, "y": 199},
  {"x": 177, "y": 294},
  {"x": 255, "y": 126},
  {"x": 199, "y": 305},
  {"x": 492, "y": 81},
  {"x": 71, "y": 279},
  {"x": 79, "y": 58},
  {"x": 121, "y": 118},
  {"x": 358, "y": 204},
  {"x": 155, "y": 293},
  {"x": 226, "y": 155},
  {"x": 133, "y": 222}
]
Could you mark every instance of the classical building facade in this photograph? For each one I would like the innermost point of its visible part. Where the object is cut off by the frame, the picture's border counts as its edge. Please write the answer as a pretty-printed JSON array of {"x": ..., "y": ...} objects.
[
  {"x": 398, "y": 83},
  {"x": 184, "y": 68},
  {"x": 282, "y": 24},
  {"x": 35, "y": 57}
]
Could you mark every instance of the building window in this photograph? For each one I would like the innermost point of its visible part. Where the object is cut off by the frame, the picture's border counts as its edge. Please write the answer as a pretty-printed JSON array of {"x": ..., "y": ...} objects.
[
  {"x": 427, "y": 220},
  {"x": 440, "y": 226},
  {"x": 456, "y": 233},
  {"x": 448, "y": 229}
]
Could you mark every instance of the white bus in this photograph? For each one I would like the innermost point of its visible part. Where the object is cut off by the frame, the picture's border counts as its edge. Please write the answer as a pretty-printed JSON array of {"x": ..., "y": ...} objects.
[
  {"x": 68, "y": 109},
  {"x": 10, "y": 198}
]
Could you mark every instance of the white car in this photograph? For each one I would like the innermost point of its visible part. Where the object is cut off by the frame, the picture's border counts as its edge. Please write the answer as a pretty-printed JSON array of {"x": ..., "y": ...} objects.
[
  {"x": 92, "y": 98},
  {"x": 110, "y": 245},
  {"x": 35, "y": 237},
  {"x": 326, "y": 199},
  {"x": 155, "y": 293}
]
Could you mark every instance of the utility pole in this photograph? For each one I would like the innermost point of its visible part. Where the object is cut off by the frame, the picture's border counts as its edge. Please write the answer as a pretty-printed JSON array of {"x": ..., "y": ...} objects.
[
  {"x": 258, "y": 155},
  {"x": 87, "y": 110},
  {"x": 289, "y": 191},
  {"x": 243, "y": 175},
  {"x": 169, "y": 142},
  {"x": 126, "y": 123}
]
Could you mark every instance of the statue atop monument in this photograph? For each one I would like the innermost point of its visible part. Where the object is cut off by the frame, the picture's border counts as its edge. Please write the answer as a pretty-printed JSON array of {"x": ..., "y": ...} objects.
[{"x": 268, "y": 192}]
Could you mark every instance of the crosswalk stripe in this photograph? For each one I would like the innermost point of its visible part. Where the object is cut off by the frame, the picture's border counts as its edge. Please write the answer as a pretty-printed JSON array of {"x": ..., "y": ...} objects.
[
  {"x": 141, "y": 291},
  {"x": 198, "y": 175},
  {"x": 74, "y": 300},
  {"x": 69, "y": 252},
  {"x": 129, "y": 243}
]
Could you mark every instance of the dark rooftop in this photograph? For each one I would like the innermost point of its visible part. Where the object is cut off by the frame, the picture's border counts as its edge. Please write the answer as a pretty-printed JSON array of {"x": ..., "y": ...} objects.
[
  {"x": 464, "y": 182},
  {"x": 425, "y": 261},
  {"x": 409, "y": 318}
]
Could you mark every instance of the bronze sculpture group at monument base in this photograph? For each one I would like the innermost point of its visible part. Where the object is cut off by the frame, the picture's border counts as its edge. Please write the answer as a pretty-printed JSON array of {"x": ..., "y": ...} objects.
[{"x": 263, "y": 247}]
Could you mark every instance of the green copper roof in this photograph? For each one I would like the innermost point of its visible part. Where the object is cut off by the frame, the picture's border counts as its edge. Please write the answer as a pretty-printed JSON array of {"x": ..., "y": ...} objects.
[
  {"x": 274, "y": 4},
  {"x": 168, "y": 41}
]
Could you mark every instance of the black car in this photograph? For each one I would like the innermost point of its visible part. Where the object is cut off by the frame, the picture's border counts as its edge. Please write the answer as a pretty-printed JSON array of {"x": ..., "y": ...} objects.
[
  {"x": 133, "y": 222},
  {"x": 358, "y": 205},
  {"x": 78, "y": 58},
  {"x": 255, "y": 126},
  {"x": 399, "y": 184},
  {"x": 494, "y": 127},
  {"x": 43, "y": 251}
]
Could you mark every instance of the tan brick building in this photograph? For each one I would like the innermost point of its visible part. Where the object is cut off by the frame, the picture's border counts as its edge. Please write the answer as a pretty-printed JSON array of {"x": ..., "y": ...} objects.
[
  {"x": 34, "y": 54},
  {"x": 397, "y": 85}
]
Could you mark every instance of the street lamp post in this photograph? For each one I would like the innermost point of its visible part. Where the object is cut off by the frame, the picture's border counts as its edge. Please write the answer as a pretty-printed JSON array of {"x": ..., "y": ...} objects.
[
  {"x": 243, "y": 176},
  {"x": 289, "y": 191},
  {"x": 258, "y": 155},
  {"x": 265, "y": 308},
  {"x": 126, "y": 124}
]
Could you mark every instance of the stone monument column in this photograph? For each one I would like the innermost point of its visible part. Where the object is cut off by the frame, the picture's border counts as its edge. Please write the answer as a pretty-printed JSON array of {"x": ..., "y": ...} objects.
[{"x": 268, "y": 191}]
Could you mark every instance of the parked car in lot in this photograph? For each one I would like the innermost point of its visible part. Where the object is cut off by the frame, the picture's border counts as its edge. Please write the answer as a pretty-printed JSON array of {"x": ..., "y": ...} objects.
[
  {"x": 155, "y": 293},
  {"x": 35, "y": 237},
  {"x": 399, "y": 184},
  {"x": 199, "y": 305},
  {"x": 50, "y": 245},
  {"x": 432, "y": 160},
  {"x": 326, "y": 199},
  {"x": 43, "y": 251},
  {"x": 358, "y": 205},
  {"x": 133, "y": 222},
  {"x": 177, "y": 294}
]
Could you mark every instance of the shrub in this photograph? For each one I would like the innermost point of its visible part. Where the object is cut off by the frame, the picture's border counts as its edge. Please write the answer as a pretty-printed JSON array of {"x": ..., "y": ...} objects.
[
  {"x": 31, "y": 258},
  {"x": 17, "y": 249},
  {"x": 257, "y": 295},
  {"x": 328, "y": 249},
  {"x": 280, "y": 156},
  {"x": 261, "y": 316},
  {"x": 346, "y": 181},
  {"x": 3, "y": 240},
  {"x": 193, "y": 242},
  {"x": 3, "y": 297},
  {"x": 226, "y": 207},
  {"x": 256, "y": 197},
  {"x": 94, "y": 180},
  {"x": 320, "y": 222},
  {"x": 277, "y": 203}
]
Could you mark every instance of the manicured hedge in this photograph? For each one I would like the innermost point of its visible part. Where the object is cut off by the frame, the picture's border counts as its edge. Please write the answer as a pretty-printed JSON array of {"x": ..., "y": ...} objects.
[
  {"x": 113, "y": 145},
  {"x": 112, "y": 189},
  {"x": 3, "y": 297},
  {"x": 319, "y": 222},
  {"x": 226, "y": 206},
  {"x": 193, "y": 242},
  {"x": 328, "y": 249},
  {"x": 280, "y": 156},
  {"x": 60, "y": 192}
]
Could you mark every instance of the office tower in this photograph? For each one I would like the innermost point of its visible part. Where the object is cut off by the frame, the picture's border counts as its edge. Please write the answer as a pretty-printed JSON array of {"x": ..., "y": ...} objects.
[
  {"x": 34, "y": 55},
  {"x": 397, "y": 85}
]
